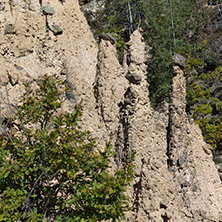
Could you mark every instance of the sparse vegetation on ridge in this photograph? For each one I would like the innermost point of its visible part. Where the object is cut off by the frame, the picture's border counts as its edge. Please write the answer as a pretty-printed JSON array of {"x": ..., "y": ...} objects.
[{"x": 189, "y": 28}]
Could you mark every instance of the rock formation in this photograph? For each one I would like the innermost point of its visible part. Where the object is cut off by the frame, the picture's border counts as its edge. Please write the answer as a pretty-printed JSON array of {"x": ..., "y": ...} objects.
[{"x": 176, "y": 179}]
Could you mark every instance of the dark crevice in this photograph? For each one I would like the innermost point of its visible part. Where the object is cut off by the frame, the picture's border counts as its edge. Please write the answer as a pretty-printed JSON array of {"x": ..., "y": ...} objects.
[
  {"x": 122, "y": 144},
  {"x": 163, "y": 206},
  {"x": 165, "y": 218},
  {"x": 118, "y": 147},
  {"x": 47, "y": 26},
  {"x": 169, "y": 133},
  {"x": 10, "y": 6},
  {"x": 137, "y": 191},
  {"x": 169, "y": 148},
  {"x": 128, "y": 60},
  {"x": 96, "y": 86},
  {"x": 124, "y": 121}
]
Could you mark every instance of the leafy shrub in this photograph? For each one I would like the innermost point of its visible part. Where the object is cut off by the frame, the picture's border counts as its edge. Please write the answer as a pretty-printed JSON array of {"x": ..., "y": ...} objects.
[
  {"x": 51, "y": 170},
  {"x": 207, "y": 108}
]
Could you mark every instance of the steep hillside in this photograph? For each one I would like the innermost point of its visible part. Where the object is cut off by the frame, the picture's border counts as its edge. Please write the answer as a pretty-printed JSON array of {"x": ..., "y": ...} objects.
[{"x": 176, "y": 179}]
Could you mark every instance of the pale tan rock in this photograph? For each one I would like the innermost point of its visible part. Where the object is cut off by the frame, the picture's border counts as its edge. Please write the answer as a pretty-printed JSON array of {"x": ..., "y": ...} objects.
[
  {"x": 9, "y": 112},
  {"x": 110, "y": 85},
  {"x": 3, "y": 79},
  {"x": 199, "y": 180},
  {"x": 35, "y": 49},
  {"x": 13, "y": 77},
  {"x": 176, "y": 179},
  {"x": 208, "y": 149}
]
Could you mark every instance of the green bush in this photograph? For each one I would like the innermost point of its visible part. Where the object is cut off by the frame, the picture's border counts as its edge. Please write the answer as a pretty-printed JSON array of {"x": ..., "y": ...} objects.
[
  {"x": 206, "y": 105},
  {"x": 51, "y": 170}
]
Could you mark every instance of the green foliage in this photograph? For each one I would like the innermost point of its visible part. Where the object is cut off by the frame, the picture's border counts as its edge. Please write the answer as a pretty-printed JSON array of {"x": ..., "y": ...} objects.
[
  {"x": 51, "y": 170},
  {"x": 119, "y": 17},
  {"x": 207, "y": 109},
  {"x": 115, "y": 16},
  {"x": 185, "y": 27},
  {"x": 171, "y": 27},
  {"x": 120, "y": 48}
]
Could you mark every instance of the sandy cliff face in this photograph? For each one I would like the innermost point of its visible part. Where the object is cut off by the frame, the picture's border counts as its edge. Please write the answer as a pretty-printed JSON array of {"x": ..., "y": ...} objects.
[
  {"x": 33, "y": 49},
  {"x": 176, "y": 179}
]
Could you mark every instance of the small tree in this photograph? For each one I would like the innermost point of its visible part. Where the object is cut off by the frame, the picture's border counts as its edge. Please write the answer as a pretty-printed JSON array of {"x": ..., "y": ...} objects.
[{"x": 50, "y": 170}]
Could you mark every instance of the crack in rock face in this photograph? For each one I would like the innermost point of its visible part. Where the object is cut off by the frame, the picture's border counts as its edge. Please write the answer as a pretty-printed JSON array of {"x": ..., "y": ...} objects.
[{"x": 175, "y": 176}]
